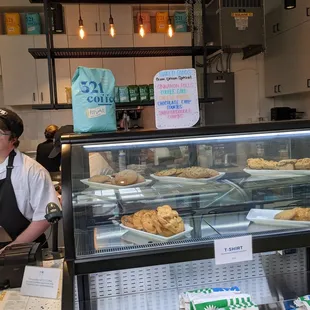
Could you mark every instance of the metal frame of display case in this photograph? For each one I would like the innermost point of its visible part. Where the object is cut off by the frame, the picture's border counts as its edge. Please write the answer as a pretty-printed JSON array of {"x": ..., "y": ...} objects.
[
  {"x": 50, "y": 53},
  {"x": 156, "y": 254}
]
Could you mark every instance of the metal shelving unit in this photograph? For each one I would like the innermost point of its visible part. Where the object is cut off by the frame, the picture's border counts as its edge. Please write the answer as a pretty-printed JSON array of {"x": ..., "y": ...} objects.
[{"x": 50, "y": 53}]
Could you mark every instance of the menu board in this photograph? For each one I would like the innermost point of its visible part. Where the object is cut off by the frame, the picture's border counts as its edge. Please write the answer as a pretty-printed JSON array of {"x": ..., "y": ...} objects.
[{"x": 176, "y": 98}]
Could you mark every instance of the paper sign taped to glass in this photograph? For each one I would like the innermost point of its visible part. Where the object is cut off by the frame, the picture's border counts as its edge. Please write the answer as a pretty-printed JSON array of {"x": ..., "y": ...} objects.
[{"x": 176, "y": 98}]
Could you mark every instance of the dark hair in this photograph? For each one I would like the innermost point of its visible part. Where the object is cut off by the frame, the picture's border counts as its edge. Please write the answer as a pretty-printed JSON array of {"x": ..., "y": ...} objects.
[
  {"x": 50, "y": 131},
  {"x": 13, "y": 136}
]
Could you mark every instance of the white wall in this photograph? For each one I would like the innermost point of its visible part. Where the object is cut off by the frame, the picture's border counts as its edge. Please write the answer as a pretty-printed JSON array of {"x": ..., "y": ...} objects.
[{"x": 251, "y": 103}]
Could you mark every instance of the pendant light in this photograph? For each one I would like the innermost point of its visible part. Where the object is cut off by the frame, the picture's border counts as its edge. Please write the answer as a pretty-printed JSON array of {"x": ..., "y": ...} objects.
[
  {"x": 289, "y": 4},
  {"x": 141, "y": 27},
  {"x": 111, "y": 22},
  {"x": 81, "y": 25},
  {"x": 170, "y": 29}
]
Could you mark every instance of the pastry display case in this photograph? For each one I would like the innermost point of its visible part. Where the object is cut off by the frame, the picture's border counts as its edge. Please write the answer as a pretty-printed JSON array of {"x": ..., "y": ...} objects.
[{"x": 147, "y": 198}]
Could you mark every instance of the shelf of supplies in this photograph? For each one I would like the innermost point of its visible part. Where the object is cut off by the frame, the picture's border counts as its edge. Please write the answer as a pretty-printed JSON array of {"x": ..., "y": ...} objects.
[
  {"x": 120, "y": 52},
  {"x": 66, "y": 106}
]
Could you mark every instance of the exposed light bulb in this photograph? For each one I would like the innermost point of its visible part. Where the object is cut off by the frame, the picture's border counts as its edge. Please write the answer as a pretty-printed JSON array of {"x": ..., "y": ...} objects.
[
  {"x": 142, "y": 31},
  {"x": 82, "y": 32},
  {"x": 170, "y": 31},
  {"x": 112, "y": 30}
]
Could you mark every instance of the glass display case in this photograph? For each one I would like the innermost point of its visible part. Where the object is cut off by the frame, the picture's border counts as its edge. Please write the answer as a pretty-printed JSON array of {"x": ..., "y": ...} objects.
[{"x": 137, "y": 199}]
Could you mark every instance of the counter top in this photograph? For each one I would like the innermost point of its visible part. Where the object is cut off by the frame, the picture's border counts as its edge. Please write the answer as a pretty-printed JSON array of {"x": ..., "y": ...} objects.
[{"x": 12, "y": 299}]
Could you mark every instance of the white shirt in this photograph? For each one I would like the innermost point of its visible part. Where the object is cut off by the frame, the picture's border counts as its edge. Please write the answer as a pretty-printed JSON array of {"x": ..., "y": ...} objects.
[
  {"x": 97, "y": 164},
  {"x": 32, "y": 185}
]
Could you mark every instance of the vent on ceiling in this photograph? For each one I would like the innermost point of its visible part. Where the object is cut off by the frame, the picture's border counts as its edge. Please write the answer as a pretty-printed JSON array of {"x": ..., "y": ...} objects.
[{"x": 242, "y": 3}]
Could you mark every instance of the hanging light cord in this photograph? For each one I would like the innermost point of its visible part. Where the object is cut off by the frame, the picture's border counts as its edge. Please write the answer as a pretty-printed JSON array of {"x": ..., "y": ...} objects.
[
  {"x": 110, "y": 11},
  {"x": 141, "y": 20},
  {"x": 80, "y": 10}
]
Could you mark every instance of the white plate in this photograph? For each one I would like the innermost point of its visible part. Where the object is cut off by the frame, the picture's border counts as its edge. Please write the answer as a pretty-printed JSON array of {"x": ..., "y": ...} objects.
[
  {"x": 110, "y": 186},
  {"x": 276, "y": 172},
  {"x": 158, "y": 237},
  {"x": 266, "y": 217},
  {"x": 185, "y": 180}
]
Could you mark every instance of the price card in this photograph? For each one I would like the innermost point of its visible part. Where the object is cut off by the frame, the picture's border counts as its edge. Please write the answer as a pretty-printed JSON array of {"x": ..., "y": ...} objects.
[
  {"x": 176, "y": 98},
  {"x": 40, "y": 282},
  {"x": 233, "y": 250}
]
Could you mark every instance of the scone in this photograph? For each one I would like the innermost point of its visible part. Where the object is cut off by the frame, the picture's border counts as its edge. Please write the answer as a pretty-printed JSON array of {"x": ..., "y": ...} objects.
[
  {"x": 303, "y": 164},
  {"x": 287, "y": 164},
  {"x": 126, "y": 177},
  {"x": 286, "y": 215},
  {"x": 100, "y": 179},
  {"x": 255, "y": 163}
]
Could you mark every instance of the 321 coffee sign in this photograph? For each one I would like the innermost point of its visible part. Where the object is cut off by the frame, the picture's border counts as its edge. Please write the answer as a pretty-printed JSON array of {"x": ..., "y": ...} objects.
[{"x": 176, "y": 98}]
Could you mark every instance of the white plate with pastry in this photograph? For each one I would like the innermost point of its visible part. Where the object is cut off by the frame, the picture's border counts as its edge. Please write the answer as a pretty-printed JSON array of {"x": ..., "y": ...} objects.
[
  {"x": 154, "y": 237},
  {"x": 96, "y": 185},
  {"x": 274, "y": 173},
  {"x": 267, "y": 217},
  {"x": 172, "y": 179}
]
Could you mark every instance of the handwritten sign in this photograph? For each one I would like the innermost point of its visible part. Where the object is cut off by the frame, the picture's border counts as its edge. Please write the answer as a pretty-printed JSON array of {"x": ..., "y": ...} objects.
[
  {"x": 233, "y": 250},
  {"x": 40, "y": 282},
  {"x": 176, "y": 98}
]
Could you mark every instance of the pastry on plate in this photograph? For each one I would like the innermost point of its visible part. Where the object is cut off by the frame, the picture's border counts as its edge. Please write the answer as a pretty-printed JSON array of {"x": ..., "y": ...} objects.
[
  {"x": 166, "y": 173},
  {"x": 140, "y": 179},
  {"x": 255, "y": 163},
  {"x": 303, "y": 164},
  {"x": 287, "y": 164},
  {"x": 199, "y": 173},
  {"x": 269, "y": 165},
  {"x": 127, "y": 221},
  {"x": 302, "y": 214},
  {"x": 126, "y": 177},
  {"x": 286, "y": 215},
  {"x": 100, "y": 179}
]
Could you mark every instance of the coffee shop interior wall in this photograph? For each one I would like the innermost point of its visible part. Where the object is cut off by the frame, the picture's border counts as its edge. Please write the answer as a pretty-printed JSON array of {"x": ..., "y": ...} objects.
[{"x": 251, "y": 103}]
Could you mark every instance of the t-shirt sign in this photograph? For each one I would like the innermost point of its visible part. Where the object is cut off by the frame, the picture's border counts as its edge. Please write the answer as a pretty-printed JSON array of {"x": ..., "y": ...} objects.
[{"x": 176, "y": 98}]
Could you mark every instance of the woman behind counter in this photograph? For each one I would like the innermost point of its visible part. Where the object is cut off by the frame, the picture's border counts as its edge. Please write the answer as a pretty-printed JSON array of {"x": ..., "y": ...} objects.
[{"x": 44, "y": 149}]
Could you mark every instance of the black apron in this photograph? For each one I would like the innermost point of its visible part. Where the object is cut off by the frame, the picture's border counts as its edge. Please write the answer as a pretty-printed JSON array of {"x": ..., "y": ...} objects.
[{"x": 11, "y": 219}]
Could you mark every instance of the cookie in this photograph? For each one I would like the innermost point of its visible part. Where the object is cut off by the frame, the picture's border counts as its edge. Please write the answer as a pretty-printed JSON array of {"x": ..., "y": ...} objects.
[
  {"x": 127, "y": 221},
  {"x": 166, "y": 233},
  {"x": 136, "y": 219},
  {"x": 166, "y": 173},
  {"x": 199, "y": 173},
  {"x": 286, "y": 215},
  {"x": 126, "y": 177},
  {"x": 100, "y": 179},
  {"x": 148, "y": 224},
  {"x": 287, "y": 164}
]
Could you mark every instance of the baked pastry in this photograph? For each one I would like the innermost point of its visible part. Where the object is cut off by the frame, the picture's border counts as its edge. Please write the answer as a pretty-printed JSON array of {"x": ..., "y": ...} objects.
[
  {"x": 255, "y": 163},
  {"x": 137, "y": 219},
  {"x": 100, "y": 179},
  {"x": 166, "y": 173},
  {"x": 198, "y": 173},
  {"x": 303, "y": 164},
  {"x": 287, "y": 164},
  {"x": 140, "y": 179},
  {"x": 126, "y": 177},
  {"x": 164, "y": 221},
  {"x": 286, "y": 215},
  {"x": 127, "y": 221},
  {"x": 302, "y": 214},
  {"x": 269, "y": 165}
]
